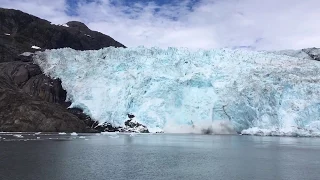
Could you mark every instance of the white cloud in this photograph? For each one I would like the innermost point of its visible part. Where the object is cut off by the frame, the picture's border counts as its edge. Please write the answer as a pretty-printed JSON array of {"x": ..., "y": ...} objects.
[{"x": 272, "y": 24}]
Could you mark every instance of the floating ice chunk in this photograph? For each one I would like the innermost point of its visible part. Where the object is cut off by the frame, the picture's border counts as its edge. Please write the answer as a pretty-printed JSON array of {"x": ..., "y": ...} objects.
[
  {"x": 18, "y": 135},
  {"x": 116, "y": 136},
  {"x": 7, "y": 34},
  {"x": 292, "y": 132},
  {"x": 37, "y": 133},
  {"x": 82, "y": 137},
  {"x": 62, "y": 133},
  {"x": 108, "y": 133},
  {"x": 74, "y": 134},
  {"x": 87, "y": 35},
  {"x": 35, "y": 47},
  {"x": 38, "y": 137},
  {"x": 26, "y": 54}
]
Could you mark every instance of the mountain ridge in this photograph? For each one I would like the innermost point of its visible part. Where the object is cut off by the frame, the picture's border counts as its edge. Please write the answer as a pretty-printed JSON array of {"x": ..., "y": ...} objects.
[{"x": 29, "y": 100}]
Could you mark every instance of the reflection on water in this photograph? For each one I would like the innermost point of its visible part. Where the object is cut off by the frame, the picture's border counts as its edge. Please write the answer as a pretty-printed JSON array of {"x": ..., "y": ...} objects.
[{"x": 156, "y": 156}]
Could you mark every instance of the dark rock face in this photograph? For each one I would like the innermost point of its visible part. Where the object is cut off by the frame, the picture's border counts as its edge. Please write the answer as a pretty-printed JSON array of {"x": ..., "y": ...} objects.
[
  {"x": 20, "y": 31},
  {"x": 20, "y": 112},
  {"x": 78, "y": 25},
  {"x": 29, "y": 78},
  {"x": 314, "y": 53},
  {"x": 22, "y": 108},
  {"x": 29, "y": 100}
]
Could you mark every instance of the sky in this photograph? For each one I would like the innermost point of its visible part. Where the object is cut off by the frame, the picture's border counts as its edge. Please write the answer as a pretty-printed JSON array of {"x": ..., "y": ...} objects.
[{"x": 195, "y": 24}]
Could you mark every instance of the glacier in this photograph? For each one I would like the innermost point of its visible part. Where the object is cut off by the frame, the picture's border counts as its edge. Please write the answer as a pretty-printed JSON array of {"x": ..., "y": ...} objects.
[{"x": 182, "y": 90}]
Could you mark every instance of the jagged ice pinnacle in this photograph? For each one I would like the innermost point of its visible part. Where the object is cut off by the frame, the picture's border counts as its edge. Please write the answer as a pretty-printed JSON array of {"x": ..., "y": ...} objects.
[{"x": 175, "y": 89}]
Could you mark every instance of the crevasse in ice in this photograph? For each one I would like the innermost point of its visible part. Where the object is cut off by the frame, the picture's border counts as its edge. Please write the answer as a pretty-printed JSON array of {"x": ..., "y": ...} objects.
[{"x": 174, "y": 89}]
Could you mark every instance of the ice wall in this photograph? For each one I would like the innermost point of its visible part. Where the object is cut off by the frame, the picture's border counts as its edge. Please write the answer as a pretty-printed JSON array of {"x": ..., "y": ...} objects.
[{"x": 172, "y": 89}]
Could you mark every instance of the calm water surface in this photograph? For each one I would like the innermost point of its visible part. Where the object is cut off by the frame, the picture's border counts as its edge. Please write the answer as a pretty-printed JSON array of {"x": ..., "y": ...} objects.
[{"x": 158, "y": 156}]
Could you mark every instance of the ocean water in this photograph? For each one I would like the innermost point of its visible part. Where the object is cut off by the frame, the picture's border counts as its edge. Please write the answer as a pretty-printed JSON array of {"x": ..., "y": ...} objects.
[{"x": 30, "y": 156}]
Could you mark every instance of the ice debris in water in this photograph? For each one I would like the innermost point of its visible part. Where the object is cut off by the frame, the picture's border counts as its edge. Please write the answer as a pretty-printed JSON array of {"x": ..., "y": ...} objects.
[
  {"x": 62, "y": 133},
  {"x": 294, "y": 131},
  {"x": 17, "y": 135},
  {"x": 108, "y": 133},
  {"x": 74, "y": 134},
  {"x": 26, "y": 54},
  {"x": 115, "y": 136},
  {"x": 172, "y": 88}
]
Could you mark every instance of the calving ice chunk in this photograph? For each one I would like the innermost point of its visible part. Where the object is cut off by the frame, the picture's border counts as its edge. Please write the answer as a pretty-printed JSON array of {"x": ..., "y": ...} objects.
[{"x": 177, "y": 89}]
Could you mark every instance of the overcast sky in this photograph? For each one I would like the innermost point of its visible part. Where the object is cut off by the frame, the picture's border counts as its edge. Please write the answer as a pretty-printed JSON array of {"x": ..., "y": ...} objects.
[{"x": 255, "y": 24}]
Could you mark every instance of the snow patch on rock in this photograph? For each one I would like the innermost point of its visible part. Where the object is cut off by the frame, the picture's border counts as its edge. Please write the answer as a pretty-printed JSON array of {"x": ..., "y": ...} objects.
[{"x": 35, "y": 47}]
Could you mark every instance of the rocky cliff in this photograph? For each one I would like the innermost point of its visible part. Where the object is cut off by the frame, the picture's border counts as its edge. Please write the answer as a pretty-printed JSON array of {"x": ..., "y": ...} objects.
[{"x": 29, "y": 100}]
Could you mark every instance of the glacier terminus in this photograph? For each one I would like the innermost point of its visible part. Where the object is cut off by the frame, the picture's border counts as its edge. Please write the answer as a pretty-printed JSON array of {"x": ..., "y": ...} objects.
[{"x": 182, "y": 90}]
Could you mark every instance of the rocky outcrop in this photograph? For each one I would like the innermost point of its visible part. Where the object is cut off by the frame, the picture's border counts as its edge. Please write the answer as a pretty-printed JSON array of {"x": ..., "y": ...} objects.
[
  {"x": 133, "y": 126},
  {"x": 29, "y": 78},
  {"x": 20, "y": 31},
  {"x": 24, "y": 109},
  {"x": 106, "y": 127},
  {"x": 130, "y": 126},
  {"x": 314, "y": 53},
  {"x": 29, "y": 100},
  {"x": 23, "y": 113}
]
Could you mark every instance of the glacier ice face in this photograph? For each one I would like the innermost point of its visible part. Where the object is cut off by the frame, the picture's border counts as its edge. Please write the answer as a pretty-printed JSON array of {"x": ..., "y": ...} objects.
[{"x": 171, "y": 89}]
